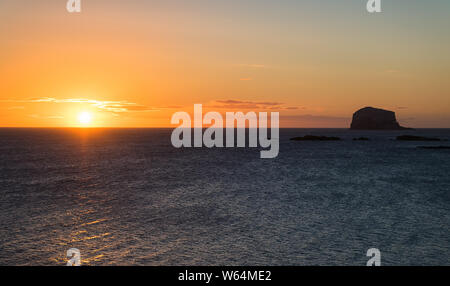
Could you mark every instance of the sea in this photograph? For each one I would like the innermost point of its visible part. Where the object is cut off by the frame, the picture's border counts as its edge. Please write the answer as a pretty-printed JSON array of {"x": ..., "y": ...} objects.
[{"x": 128, "y": 197}]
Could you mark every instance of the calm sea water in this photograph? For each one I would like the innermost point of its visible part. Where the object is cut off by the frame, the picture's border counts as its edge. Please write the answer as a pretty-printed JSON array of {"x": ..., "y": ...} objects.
[{"x": 127, "y": 197}]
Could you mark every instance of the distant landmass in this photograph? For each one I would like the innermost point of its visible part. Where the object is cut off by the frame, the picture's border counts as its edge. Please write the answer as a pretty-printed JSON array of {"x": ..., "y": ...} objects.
[
  {"x": 370, "y": 118},
  {"x": 315, "y": 138},
  {"x": 416, "y": 138}
]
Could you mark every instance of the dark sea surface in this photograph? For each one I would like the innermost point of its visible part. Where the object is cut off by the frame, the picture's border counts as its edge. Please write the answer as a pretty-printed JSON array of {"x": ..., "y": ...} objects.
[{"x": 127, "y": 197}]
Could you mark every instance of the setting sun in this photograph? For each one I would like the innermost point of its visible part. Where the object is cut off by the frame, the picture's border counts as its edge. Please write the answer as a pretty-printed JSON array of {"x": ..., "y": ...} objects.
[{"x": 85, "y": 118}]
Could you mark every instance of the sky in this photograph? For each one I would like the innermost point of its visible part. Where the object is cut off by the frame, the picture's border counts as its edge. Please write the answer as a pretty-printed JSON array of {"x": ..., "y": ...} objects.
[{"x": 135, "y": 63}]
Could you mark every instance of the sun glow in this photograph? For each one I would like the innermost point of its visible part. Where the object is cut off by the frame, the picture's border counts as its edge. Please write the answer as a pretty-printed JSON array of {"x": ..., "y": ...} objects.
[{"x": 85, "y": 118}]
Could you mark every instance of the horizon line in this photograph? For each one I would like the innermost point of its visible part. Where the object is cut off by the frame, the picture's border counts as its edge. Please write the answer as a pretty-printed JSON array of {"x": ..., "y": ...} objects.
[{"x": 87, "y": 128}]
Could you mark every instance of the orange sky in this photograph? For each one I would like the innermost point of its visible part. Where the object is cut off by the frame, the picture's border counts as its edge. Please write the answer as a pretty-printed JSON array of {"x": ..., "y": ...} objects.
[{"x": 133, "y": 64}]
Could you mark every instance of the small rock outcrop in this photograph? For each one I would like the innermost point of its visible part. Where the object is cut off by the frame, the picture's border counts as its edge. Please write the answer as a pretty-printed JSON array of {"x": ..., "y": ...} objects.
[
  {"x": 361, "y": 139},
  {"x": 435, "y": 147},
  {"x": 370, "y": 118},
  {"x": 315, "y": 138},
  {"x": 416, "y": 138}
]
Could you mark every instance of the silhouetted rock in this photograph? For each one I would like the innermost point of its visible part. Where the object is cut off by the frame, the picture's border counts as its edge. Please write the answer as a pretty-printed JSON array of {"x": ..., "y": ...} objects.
[
  {"x": 361, "y": 139},
  {"x": 416, "y": 138},
  {"x": 315, "y": 138},
  {"x": 435, "y": 147},
  {"x": 370, "y": 118}
]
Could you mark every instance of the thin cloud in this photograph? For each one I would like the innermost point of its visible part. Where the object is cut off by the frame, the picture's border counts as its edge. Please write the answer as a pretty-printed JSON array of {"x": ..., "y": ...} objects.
[
  {"x": 314, "y": 121},
  {"x": 315, "y": 117},
  {"x": 46, "y": 117},
  {"x": 233, "y": 104},
  {"x": 112, "y": 106},
  {"x": 254, "y": 66},
  {"x": 16, "y": 107},
  {"x": 232, "y": 101}
]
